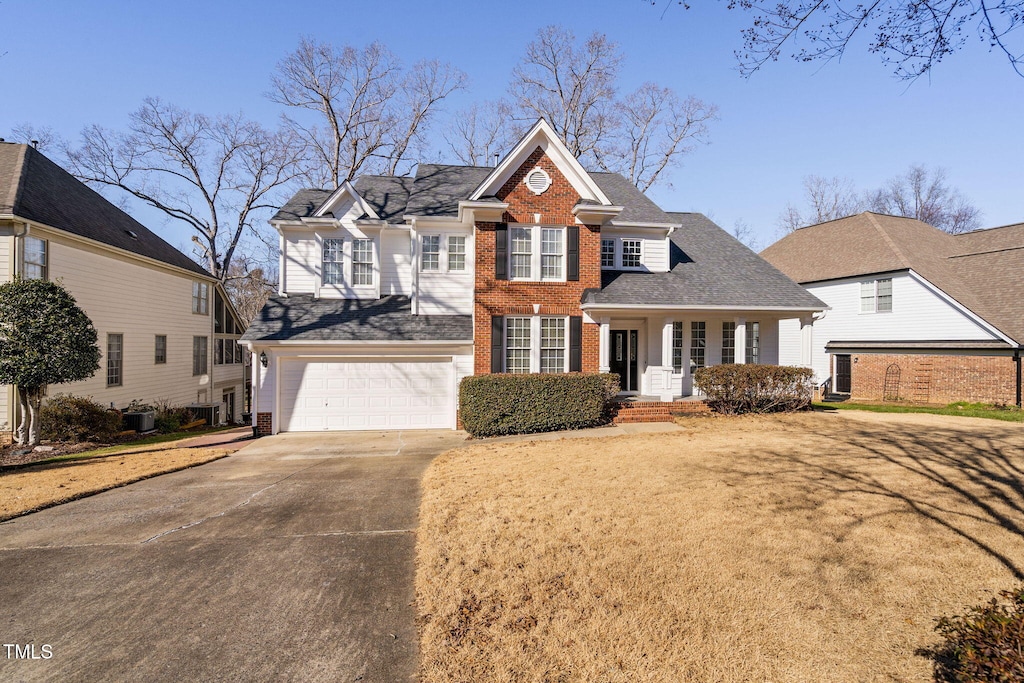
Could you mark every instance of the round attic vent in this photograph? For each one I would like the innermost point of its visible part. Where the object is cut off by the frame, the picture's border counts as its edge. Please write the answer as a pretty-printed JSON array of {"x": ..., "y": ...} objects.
[{"x": 538, "y": 180}]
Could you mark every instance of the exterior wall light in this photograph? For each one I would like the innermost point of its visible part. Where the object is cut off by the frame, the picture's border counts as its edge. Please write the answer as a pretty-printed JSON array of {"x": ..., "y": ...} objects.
[{"x": 263, "y": 358}]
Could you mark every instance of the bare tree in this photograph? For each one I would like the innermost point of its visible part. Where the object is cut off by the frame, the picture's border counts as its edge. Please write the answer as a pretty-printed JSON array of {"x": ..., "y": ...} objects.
[
  {"x": 923, "y": 194},
  {"x": 476, "y": 134},
  {"x": 368, "y": 111},
  {"x": 43, "y": 138},
  {"x": 912, "y": 36},
  {"x": 249, "y": 282},
  {"x": 574, "y": 84},
  {"x": 827, "y": 199},
  {"x": 215, "y": 174},
  {"x": 742, "y": 231}
]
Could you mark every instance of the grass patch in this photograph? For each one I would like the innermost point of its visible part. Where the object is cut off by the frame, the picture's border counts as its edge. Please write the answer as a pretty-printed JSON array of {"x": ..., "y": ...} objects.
[
  {"x": 801, "y": 547},
  {"x": 962, "y": 409}
]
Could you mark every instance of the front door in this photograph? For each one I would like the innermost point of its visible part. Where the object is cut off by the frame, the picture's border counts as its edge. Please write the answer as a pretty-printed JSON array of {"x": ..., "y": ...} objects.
[
  {"x": 229, "y": 403},
  {"x": 623, "y": 358},
  {"x": 842, "y": 373}
]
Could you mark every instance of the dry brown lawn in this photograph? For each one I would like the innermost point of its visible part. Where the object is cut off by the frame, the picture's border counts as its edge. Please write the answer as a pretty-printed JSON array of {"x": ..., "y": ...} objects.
[
  {"x": 813, "y": 547},
  {"x": 33, "y": 488}
]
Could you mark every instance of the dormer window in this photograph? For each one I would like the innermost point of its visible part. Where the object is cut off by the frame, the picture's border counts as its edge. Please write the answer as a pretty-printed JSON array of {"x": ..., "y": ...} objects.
[
  {"x": 362, "y": 263},
  {"x": 621, "y": 253},
  {"x": 334, "y": 261},
  {"x": 630, "y": 253}
]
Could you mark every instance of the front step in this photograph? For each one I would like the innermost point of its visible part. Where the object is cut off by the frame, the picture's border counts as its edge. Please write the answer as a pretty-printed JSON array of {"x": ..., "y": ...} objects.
[{"x": 627, "y": 412}]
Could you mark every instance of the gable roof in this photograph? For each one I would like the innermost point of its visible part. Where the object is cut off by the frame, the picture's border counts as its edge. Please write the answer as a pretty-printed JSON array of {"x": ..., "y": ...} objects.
[
  {"x": 34, "y": 188},
  {"x": 710, "y": 268},
  {"x": 980, "y": 270}
]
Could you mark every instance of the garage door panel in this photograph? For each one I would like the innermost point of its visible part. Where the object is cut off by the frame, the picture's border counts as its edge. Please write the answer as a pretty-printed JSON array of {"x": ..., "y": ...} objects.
[{"x": 317, "y": 396}]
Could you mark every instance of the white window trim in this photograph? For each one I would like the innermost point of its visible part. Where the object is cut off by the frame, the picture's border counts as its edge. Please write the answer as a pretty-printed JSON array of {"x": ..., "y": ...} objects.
[
  {"x": 442, "y": 253},
  {"x": 200, "y": 304},
  {"x": 619, "y": 250},
  {"x": 536, "y": 241},
  {"x": 373, "y": 263},
  {"x": 323, "y": 262},
  {"x": 874, "y": 307},
  {"x": 535, "y": 339},
  {"x": 25, "y": 263},
  {"x": 348, "y": 264}
]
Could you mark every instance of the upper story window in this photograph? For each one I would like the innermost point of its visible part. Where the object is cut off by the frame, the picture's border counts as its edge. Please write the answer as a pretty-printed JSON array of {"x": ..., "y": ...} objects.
[
  {"x": 876, "y": 296},
  {"x": 698, "y": 343},
  {"x": 430, "y": 257},
  {"x": 607, "y": 253},
  {"x": 630, "y": 253},
  {"x": 35, "y": 259},
  {"x": 537, "y": 253},
  {"x": 753, "y": 342},
  {"x": 362, "y": 262},
  {"x": 456, "y": 252},
  {"x": 201, "y": 298},
  {"x": 728, "y": 342},
  {"x": 334, "y": 261}
]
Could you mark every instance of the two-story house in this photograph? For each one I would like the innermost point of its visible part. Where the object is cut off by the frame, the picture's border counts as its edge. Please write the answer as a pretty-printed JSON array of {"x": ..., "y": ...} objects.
[
  {"x": 394, "y": 289},
  {"x": 166, "y": 330},
  {"x": 916, "y": 314}
]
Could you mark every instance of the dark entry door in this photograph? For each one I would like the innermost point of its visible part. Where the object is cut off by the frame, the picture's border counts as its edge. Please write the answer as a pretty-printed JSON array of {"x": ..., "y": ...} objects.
[
  {"x": 842, "y": 373},
  {"x": 623, "y": 358}
]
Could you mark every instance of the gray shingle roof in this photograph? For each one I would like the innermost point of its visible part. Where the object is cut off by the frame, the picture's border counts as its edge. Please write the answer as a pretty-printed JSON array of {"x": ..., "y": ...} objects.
[
  {"x": 637, "y": 207},
  {"x": 34, "y": 188},
  {"x": 439, "y": 189},
  {"x": 302, "y": 205},
  {"x": 709, "y": 268},
  {"x": 304, "y": 318},
  {"x": 388, "y": 195}
]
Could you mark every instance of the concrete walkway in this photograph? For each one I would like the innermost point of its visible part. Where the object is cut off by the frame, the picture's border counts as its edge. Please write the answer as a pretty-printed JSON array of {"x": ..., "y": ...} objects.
[{"x": 290, "y": 560}]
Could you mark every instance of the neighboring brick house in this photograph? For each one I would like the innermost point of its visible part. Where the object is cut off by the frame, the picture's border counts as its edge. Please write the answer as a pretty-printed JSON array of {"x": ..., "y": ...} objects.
[
  {"x": 166, "y": 329},
  {"x": 916, "y": 314},
  {"x": 394, "y": 289}
]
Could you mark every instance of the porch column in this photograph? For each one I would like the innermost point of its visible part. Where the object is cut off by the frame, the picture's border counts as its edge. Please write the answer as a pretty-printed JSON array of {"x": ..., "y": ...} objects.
[
  {"x": 741, "y": 341},
  {"x": 605, "y": 335},
  {"x": 666, "y": 343},
  {"x": 806, "y": 340}
]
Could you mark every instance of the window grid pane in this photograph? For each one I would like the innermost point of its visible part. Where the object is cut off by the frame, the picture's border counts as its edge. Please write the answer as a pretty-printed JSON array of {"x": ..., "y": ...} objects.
[
  {"x": 552, "y": 344},
  {"x": 607, "y": 253},
  {"x": 200, "y": 293},
  {"x": 522, "y": 253},
  {"x": 551, "y": 254},
  {"x": 677, "y": 347},
  {"x": 698, "y": 342},
  {"x": 160, "y": 352},
  {"x": 199, "y": 355},
  {"x": 430, "y": 258},
  {"x": 867, "y": 297},
  {"x": 456, "y": 252},
  {"x": 115, "y": 348},
  {"x": 884, "y": 295},
  {"x": 630, "y": 253},
  {"x": 218, "y": 352},
  {"x": 334, "y": 255},
  {"x": 753, "y": 343},
  {"x": 728, "y": 342},
  {"x": 362, "y": 262},
  {"x": 517, "y": 345},
  {"x": 35, "y": 258}
]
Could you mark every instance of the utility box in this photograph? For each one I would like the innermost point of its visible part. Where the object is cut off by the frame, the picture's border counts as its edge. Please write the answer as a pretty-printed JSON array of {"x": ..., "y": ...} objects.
[
  {"x": 211, "y": 412},
  {"x": 140, "y": 421}
]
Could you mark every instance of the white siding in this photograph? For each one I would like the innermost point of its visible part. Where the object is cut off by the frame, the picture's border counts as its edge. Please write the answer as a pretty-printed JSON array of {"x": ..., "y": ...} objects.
[
  {"x": 395, "y": 263},
  {"x": 655, "y": 255},
  {"x": 654, "y": 248},
  {"x": 918, "y": 314},
  {"x": 302, "y": 261},
  {"x": 126, "y": 297},
  {"x": 446, "y": 294}
]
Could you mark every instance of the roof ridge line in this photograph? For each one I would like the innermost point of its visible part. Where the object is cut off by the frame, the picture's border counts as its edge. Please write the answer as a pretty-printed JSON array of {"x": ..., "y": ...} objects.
[{"x": 888, "y": 240}]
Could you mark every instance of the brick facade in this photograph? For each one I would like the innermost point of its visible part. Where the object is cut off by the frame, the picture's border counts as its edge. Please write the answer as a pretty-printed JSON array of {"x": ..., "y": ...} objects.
[
  {"x": 493, "y": 297},
  {"x": 264, "y": 424},
  {"x": 936, "y": 378}
]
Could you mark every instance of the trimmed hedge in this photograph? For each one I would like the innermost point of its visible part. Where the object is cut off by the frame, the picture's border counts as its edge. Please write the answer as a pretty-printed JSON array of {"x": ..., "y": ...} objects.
[
  {"x": 75, "y": 419},
  {"x": 985, "y": 644},
  {"x": 501, "y": 404},
  {"x": 734, "y": 389}
]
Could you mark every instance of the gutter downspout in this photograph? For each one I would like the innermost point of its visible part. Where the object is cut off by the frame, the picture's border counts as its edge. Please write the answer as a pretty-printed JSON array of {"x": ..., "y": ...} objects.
[{"x": 1016, "y": 360}]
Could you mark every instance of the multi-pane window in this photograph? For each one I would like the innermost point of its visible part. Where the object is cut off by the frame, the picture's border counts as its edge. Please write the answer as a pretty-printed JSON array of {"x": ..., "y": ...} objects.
[
  {"x": 115, "y": 360},
  {"x": 728, "y": 342},
  {"x": 630, "y": 253},
  {"x": 607, "y": 253},
  {"x": 521, "y": 252},
  {"x": 551, "y": 254},
  {"x": 362, "y": 262},
  {"x": 876, "y": 296},
  {"x": 698, "y": 343},
  {"x": 753, "y": 342},
  {"x": 677, "y": 347},
  {"x": 430, "y": 253},
  {"x": 517, "y": 345},
  {"x": 35, "y": 258},
  {"x": 200, "y": 297},
  {"x": 199, "y": 351},
  {"x": 218, "y": 352},
  {"x": 334, "y": 261},
  {"x": 160, "y": 349},
  {"x": 456, "y": 252},
  {"x": 552, "y": 344}
]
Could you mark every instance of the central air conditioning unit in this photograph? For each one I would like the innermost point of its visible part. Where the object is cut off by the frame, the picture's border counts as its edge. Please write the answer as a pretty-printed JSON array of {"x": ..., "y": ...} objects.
[
  {"x": 213, "y": 413},
  {"x": 140, "y": 421}
]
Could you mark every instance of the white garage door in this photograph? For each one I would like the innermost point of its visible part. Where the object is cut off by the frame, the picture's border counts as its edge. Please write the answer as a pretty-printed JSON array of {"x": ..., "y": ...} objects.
[{"x": 318, "y": 396}]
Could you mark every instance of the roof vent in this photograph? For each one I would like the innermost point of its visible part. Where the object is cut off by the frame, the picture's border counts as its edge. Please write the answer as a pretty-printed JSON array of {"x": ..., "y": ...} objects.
[
  {"x": 131, "y": 233},
  {"x": 538, "y": 180}
]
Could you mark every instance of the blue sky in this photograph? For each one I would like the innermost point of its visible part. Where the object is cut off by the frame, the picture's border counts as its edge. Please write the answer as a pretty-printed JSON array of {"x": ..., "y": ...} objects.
[{"x": 69, "y": 64}]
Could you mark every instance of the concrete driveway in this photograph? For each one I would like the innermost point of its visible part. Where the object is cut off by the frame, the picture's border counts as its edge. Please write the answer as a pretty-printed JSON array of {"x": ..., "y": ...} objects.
[{"x": 290, "y": 560}]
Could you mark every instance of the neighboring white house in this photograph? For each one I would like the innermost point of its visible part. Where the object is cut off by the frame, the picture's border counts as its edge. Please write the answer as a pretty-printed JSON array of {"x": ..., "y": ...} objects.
[
  {"x": 394, "y": 289},
  {"x": 915, "y": 313},
  {"x": 165, "y": 329}
]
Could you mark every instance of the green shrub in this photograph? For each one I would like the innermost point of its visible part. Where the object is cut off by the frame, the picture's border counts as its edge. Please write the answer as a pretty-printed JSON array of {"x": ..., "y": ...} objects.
[
  {"x": 170, "y": 418},
  {"x": 735, "y": 389},
  {"x": 77, "y": 418},
  {"x": 493, "y": 405},
  {"x": 986, "y": 645}
]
